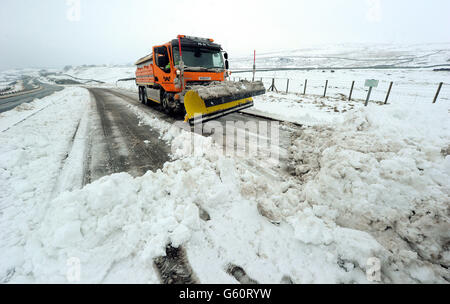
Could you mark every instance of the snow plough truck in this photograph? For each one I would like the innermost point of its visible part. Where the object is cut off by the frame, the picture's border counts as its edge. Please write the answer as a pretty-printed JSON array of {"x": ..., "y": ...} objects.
[{"x": 190, "y": 76}]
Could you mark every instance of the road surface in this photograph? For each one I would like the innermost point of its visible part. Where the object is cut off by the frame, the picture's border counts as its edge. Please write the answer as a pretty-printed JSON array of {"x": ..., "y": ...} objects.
[
  {"x": 285, "y": 132},
  {"x": 10, "y": 103},
  {"x": 117, "y": 135}
]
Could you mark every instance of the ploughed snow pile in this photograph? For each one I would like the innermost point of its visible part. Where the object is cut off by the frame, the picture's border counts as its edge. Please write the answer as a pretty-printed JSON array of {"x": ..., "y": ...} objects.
[
  {"x": 25, "y": 110},
  {"x": 31, "y": 156},
  {"x": 119, "y": 224},
  {"x": 227, "y": 88},
  {"x": 385, "y": 170}
]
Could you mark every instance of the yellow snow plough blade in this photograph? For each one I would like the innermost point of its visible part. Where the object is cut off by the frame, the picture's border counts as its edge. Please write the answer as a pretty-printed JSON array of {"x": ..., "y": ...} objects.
[
  {"x": 219, "y": 100},
  {"x": 197, "y": 112}
]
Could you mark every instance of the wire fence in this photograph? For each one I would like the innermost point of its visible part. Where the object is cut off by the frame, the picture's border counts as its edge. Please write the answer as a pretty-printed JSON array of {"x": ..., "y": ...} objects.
[{"x": 386, "y": 92}]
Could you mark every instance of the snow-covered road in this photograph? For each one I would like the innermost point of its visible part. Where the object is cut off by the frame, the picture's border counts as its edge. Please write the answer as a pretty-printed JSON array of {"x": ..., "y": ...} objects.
[
  {"x": 90, "y": 178},
  {"x": 128, "y": 145}
]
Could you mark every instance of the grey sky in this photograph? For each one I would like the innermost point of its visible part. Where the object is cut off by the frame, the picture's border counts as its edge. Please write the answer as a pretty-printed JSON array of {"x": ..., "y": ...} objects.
[{"x": 48, "y": 33}]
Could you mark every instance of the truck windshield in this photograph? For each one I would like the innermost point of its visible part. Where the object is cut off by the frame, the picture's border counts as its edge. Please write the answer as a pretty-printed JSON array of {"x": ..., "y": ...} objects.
[{"x": 199, "y": 57}]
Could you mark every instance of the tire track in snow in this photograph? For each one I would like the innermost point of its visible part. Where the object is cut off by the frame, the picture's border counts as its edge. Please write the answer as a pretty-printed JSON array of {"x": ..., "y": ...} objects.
[
  {"x": 240, "y": 275},
  {"x": 174, "y": 268},
  {"x": 60, "y": 179}
]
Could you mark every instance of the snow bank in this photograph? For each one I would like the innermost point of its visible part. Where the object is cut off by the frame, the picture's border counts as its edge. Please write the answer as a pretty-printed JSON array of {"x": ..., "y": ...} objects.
[
  {"x": 385, "y": 170},
  {"x": 227, "y": 88},
  {"x": 31, "y": 156},
  {"x": 10, "y": 118},
  {"x": 120, "y": 220}
]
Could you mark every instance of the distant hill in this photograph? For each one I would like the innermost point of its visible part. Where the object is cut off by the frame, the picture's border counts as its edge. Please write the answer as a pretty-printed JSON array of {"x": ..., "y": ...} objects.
[{"x": 351, "y": 56}]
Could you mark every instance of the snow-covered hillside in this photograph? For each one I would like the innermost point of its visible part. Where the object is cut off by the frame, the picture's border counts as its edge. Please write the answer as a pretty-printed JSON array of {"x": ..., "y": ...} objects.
[
  {"x": 350, "y": 56},
  {"x": 108, "y": 74}
]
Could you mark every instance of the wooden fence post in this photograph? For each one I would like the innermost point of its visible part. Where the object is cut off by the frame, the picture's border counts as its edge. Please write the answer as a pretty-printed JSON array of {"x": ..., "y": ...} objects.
[
  {"x": 272, "y": 87},
  {"x": 287, "y": 87},
  {"x": 437, "y": 93},
  {"x": 388, "y": 92},
  {"x": 368, "y": 96},
  {"x": 351, "y": 91},
  {"x": 306, "y": 83},
  {"x": 325, "y": 91}
]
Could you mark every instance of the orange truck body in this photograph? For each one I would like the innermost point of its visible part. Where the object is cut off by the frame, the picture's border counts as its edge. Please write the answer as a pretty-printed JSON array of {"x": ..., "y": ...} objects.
[
  {"x": 148, "y": 73},
  {"x": 169, "y": 76}
]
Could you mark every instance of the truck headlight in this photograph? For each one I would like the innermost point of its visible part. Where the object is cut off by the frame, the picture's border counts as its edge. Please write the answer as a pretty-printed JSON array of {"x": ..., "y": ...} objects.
[{"x": 178, "y": 72}]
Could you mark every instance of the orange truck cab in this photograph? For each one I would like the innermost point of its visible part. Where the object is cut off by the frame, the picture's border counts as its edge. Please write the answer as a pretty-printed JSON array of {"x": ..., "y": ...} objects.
[{"x": 167, "y": 75}]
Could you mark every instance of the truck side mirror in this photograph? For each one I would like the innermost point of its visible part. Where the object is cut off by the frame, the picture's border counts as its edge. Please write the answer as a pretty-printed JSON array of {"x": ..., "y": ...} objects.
[
  {"x": 225, "y": 55},
  {"x": 227, "y": 65}
]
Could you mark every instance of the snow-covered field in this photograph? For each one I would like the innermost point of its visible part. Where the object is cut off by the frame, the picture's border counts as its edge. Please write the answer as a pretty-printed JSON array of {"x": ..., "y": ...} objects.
[
  {"x": 417, "y": 85},
  {"x": 350, "y": 56},
  {"x": 417, "y": 82},
  {"x": 304, "y": 110},
  {"x": 368, "y": 185},
  {"x": 83, "y": 74}
]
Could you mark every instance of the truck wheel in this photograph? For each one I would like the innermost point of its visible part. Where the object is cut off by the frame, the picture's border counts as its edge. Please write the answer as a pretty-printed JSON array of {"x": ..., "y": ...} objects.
[
  {"x": 144, "y": 96},
  {"x": 180, "y": 110},
  {"x": 139, "y": 93},
  {"x": 165, "y": 105}
]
